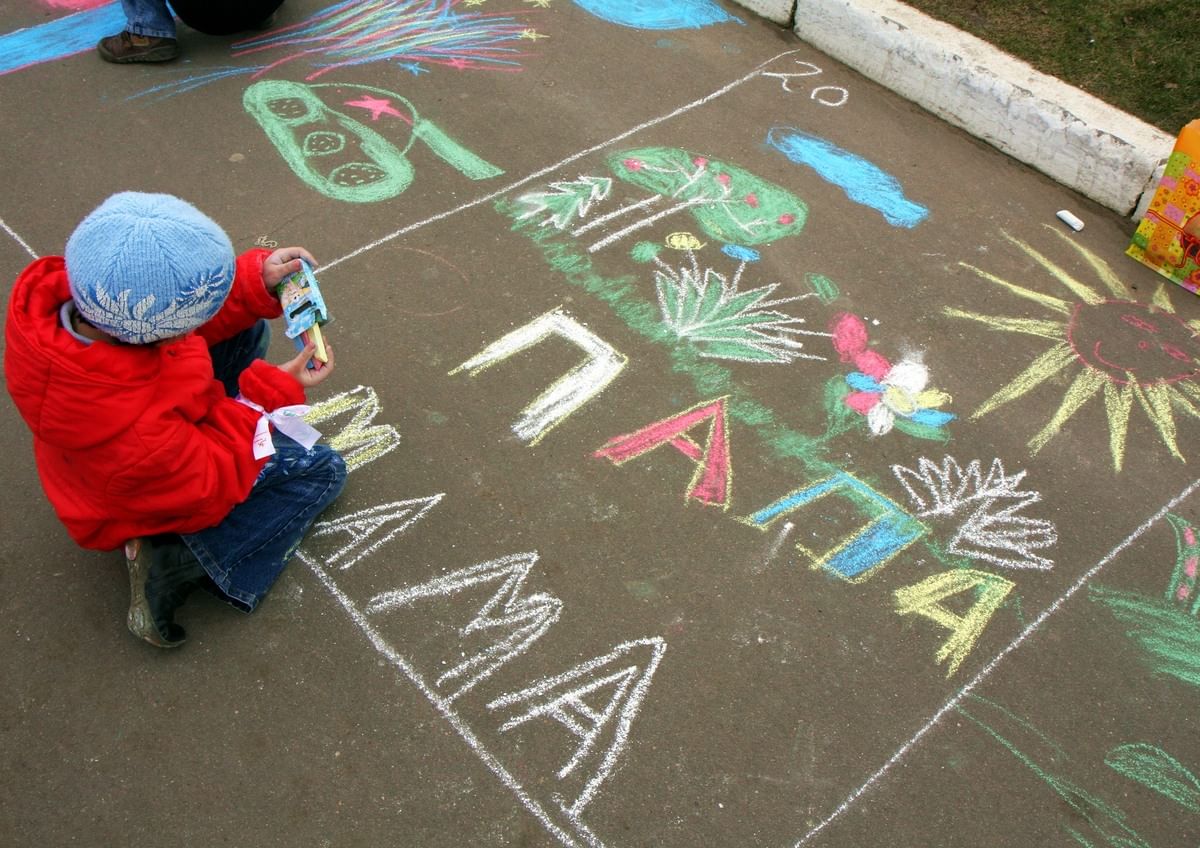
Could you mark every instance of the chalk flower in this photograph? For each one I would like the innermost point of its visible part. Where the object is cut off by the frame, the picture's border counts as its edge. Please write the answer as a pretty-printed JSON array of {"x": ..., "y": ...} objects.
[{"x": 888, "y": 396}]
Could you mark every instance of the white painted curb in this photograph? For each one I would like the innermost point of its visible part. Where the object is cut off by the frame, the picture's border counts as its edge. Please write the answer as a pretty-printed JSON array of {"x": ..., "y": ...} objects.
[{"x": 1076, "y": 139}]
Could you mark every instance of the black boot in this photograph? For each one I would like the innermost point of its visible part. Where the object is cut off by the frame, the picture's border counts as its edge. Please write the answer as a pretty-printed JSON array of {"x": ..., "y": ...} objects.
[{"x": 162, "y": 574}]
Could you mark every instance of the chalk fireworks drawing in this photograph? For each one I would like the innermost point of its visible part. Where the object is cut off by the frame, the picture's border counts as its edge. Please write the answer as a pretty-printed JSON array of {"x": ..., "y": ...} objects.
[
  {"x": 409, "y": 34},
  {"x": 707, "y": 308},
  {"x": 863, "y": 182},
  {"x": 884, "y": 395},
  {"x": 343, "y": 158},
  {"x": 658, "y": 14},
  {"x": 728, "y": 203},
  {"x": 1120, "y": 350},
  {"x": 986, "y": 507},
  {"x": 405, "y": 32}
]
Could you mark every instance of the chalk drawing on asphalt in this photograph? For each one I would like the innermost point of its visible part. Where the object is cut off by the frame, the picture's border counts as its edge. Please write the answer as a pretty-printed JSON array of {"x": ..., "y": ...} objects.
[
  {"x": 712, "y": 479},
  {"x": 365, "y": 526},
  {"x": 728, "y": 203},
  {"x": 1157, "y": 770},
  {"x": 565, "y": 201},
  {"x": 412, "y": 36},
  {"x": 509, "y": 622},
  {"x": 826, "y": 95},
  {"x": 1093, "y": 821},
  {"x": 1166, "y": 627},
  {"x": 884, "y": 395},
  {"x": 571, "y": 391},
  {"x": 341, "y": 157},
  {"x": 359, "y": 441},
  {"x": 927, "y": 598},
  {"x": 658, "y": 14},
  {"x": 855, "y": 556},
  {"x": 984, "y": 509},
  {"x": 954, "y": 703},
  {"x": 708, "y": 309},
  {"x": 596, "y": 702},
  {"x": 59, "y": 38},
  {"x": 862, "y": 181},
  {"x": 1185, "y": 579},
  {"x": 1114, "y": 351}
]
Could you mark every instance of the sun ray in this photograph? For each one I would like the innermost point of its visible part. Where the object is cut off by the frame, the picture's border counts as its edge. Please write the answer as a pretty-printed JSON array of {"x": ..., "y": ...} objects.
[
  {"x": 1190, "y": 389},
  {"x": 1055, "y": 303},
  {"x": 1085, "y": 387},
  {"x": 1043, "y": 368},
  {"x": 1156, "y": 400},
  {"x": 1161, "y": 300},
  {"x": 1053, "y": 330},
  {"x": 1118, "y": 403},
  {"x": 1183, "y": 403},
  {"x": 1103, "y": 270},
  {"x": 1081, "y": 290}
]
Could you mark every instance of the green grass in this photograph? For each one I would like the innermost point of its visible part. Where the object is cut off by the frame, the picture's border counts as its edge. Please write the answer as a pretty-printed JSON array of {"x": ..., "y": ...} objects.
[{"x": 1142, "y": 56}]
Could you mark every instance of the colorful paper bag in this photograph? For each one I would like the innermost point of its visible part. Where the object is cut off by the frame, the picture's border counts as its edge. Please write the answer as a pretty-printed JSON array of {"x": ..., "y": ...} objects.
[{"x": 1168, "y": 238}]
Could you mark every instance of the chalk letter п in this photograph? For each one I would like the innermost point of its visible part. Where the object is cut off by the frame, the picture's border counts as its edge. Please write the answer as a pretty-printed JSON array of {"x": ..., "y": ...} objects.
[
  {"x": 569, "y": 392},
  {"x": 888, "y": 531}
]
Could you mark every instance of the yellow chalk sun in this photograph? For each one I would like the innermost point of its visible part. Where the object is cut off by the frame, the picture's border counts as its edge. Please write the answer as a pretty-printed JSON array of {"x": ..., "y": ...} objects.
[{"x": 1118, "y": 349}]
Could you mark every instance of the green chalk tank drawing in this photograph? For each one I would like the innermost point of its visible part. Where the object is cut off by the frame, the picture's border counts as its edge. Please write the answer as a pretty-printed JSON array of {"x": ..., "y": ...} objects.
[{"x": 343, "y": 158}]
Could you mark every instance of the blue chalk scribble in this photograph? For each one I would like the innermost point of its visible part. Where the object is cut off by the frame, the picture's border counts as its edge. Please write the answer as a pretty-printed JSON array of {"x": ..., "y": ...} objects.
[
  {"x": 59, "y": 38},
  {"x": 658, "y": 14},
  {"x": 862, "y": 181}
]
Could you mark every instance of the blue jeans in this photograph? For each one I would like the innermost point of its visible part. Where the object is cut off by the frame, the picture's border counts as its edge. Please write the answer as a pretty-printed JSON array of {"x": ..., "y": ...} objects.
[
  {"x": 149, "y": 17},
  {"x": 245, "y": 554}
]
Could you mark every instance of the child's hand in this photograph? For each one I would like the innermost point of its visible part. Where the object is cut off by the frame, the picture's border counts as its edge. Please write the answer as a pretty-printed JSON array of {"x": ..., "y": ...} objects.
[
  {"x": 282, "y": 262},
  {"x": 298, "y": 367}
]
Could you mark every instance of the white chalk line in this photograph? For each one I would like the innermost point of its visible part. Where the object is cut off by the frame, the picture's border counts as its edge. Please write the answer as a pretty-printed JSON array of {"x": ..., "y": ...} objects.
[
  {"x": 558, "y": 165},
  {"x": 442, "y": 706},
  {"x": 1029, "y": 630},
  {"x": 13, "y": 233}
]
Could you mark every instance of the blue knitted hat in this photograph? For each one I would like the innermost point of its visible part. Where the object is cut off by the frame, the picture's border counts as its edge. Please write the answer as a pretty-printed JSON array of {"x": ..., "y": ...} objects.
[{"x": 146, "y": 267}]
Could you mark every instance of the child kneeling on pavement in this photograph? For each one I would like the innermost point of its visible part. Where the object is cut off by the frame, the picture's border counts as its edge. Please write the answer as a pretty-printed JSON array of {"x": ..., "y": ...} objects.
[{"x": 136, "y": 362}]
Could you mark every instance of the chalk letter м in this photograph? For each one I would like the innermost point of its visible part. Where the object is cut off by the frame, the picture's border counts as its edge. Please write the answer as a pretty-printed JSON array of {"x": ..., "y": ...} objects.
[
  {"x": 359, "y": 442},
  {"x": 712, "y": 479},
  {"x": 888, "y": 531},
  {"x": 569, "y": 392}
]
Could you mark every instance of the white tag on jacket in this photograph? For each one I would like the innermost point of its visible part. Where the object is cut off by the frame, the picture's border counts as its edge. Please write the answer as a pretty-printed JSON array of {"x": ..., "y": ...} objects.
[{"x": 288, "y": 420}]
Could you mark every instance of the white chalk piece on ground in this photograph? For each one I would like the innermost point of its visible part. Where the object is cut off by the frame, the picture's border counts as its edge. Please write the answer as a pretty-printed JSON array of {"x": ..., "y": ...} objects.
[{"x": 1070, "y": 220}]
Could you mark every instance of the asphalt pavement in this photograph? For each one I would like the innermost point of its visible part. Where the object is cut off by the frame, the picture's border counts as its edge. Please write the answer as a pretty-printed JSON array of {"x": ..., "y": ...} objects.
[{"x": 741, "y": 454}]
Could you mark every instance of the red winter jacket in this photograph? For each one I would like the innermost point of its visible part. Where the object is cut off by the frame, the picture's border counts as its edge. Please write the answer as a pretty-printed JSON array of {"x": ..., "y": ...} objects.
[{"x": 132, "y": 440}]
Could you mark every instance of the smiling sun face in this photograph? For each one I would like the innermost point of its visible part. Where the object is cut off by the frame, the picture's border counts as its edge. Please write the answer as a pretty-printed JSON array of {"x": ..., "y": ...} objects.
[
  {"x": 1119, "y": 349},
  {"x": 1133, "y": 343}
]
